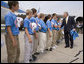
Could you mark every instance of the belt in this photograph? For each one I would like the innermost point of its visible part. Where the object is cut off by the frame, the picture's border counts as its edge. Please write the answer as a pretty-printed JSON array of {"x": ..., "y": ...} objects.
[
  {"x": 30, "y": 34},
  {"x": 54, "y": 29},
  {"x": 43, "y": 32},
  {"x": 13, "y": 35},
  {"x": 37, "y": 31}
]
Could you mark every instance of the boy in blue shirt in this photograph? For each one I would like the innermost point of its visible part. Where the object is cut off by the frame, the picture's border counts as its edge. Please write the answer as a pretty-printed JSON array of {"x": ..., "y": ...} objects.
[
  {"x": 33, "y": 19},
  {"x": 60, "y": 35},
  {"x": 37, "y": 31},
  {"x": 42, "y": 34},
  {"x": 49, "y": 33},
  {"x": 29, "y": 37},
  {"x": 54, "y": 23},
  {"x": 12, "y": 31}
]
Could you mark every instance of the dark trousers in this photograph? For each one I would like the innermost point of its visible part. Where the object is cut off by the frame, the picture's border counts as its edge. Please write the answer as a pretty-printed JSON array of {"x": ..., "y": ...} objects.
[{"x": 68, "y": 37}]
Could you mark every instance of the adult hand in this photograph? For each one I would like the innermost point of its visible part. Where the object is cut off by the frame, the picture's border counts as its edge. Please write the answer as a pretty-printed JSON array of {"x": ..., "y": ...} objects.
[{"x": 74, "y": 29}]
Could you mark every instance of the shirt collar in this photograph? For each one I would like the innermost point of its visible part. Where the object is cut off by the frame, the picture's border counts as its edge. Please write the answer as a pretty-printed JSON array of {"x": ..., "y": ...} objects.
[{"x": 67, "y": 17}]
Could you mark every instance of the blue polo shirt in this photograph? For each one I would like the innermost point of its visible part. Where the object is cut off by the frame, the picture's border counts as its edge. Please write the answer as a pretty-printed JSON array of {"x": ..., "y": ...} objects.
[
  {"x": 27, "y": 24},
  {"x": 11, "y": 20},
  {"x": 37, "y": 22},
  {"x": 49, "y": 25},
  {"x": 33, "y": 19},
  {"x": 43, "y": 26},
  {"x": 54, "y": 22},
  {"x": 59, "y": 23}
]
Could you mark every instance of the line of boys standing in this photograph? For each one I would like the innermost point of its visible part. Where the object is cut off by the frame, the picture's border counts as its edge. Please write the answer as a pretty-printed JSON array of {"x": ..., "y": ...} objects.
[{"x": 42, "y": 38}]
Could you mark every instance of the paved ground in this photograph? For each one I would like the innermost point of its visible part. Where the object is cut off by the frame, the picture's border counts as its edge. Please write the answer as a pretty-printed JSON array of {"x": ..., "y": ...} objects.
[{"x": 59, "y": 55}]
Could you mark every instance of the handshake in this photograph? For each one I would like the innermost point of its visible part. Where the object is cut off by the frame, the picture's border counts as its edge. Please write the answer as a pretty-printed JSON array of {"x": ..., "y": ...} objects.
[{"x": 59, "y": 26}]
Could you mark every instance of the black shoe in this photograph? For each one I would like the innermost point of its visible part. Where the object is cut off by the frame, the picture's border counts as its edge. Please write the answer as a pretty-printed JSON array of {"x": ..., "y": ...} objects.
[
  {"x": 71, "y": 47},
  {"x": 50, "y": 49},
  {"x": 34, "y": 57},
  {"x": 46, "y": 49},
  {"x": 30, "y": 60},
  {"x": 66, "y": 46},
  {"x": 37, "y": 53},
  {"x": 57, "y": 41}
]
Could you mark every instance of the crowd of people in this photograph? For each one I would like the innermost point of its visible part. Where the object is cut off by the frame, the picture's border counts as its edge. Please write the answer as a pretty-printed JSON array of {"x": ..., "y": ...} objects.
[{"x": 42, "y": 33}]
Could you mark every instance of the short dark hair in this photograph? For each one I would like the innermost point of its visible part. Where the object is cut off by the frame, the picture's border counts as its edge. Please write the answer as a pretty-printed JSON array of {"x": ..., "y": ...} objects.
[
  {"x": 48, "y": 16},
  {"x": 12, "y": 3},
  {"x": 34, "y": 10},
  {"x": 54, "y": 14}
]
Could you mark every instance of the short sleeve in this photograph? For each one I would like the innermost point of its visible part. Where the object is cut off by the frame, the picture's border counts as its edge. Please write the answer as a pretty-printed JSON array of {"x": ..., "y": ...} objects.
[
  {"x": 25, "y": 23},
  {"x": 8, "y": 20},
  {"x": 48, "y": 24},
  {"x": 53, "y": 22},
  {"x": 32, "y": 20}
]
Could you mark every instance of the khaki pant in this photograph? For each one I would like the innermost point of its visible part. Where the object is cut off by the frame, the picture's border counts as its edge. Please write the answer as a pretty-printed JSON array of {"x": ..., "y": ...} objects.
[
  {"x": 42, "y": 42},
  {"x": 60, "y": 35},
  {"x": 28, "y": 48},
  {"x": 49, "y": 40},
  {"x": 54, "y": 37},
  {"x": 13, "y": 52},
  {"x": 36, "y": 43}
]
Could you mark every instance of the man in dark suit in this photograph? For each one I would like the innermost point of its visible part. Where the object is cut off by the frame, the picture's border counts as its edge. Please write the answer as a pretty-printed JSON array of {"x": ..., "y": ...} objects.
[{"x": 69, "y": 24}]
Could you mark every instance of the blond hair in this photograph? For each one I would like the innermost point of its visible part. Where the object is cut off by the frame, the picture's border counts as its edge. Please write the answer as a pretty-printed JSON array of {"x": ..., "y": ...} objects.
[
  {"x": 42, "y": 15},
  {"x": 28, "y": 11}
]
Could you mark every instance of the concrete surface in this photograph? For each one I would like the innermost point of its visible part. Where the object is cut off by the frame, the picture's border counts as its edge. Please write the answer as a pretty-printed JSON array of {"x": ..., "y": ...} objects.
[{"x": 58, "y": 55}]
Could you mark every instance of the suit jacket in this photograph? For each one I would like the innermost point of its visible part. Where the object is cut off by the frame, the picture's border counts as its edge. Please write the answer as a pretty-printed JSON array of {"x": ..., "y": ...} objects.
[{"x": 70, "y": 24}]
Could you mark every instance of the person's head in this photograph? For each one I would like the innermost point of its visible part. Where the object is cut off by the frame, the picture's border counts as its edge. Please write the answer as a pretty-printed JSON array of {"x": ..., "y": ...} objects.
[
  {"x": 14, "y": 5},
  {"x": 49, "y": 16},
  {"x": 54, "y": 15},
  {"x": 34, "y": 12},
  {"x": 29, "y": 13},
  {"x": 65, "y": 14},
  {"x": 38, "y": 15},
  {"x": 42, "y": 16}
]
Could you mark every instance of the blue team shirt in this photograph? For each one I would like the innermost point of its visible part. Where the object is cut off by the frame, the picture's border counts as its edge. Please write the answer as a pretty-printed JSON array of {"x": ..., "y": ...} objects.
[
  {"x": 33, "y": 19},
  {"x": 49, "y": 25},
  {"x": 37, "y": 22},
  {"x": 43, "y": 26},
  {"x": 27, "y": 24},
  {"x": 59, "y": 23},
  {"x": 11, "y": 20},
  {"x": 54, "y": 22}
]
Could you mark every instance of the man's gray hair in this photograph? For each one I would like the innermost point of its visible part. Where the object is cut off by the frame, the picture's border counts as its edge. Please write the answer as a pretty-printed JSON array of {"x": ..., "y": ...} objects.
[{"x": 66, "y": 13}]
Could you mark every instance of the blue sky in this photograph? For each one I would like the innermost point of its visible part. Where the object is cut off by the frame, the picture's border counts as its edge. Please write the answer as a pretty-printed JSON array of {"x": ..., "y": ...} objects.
[{"x": 73, "y": 7}]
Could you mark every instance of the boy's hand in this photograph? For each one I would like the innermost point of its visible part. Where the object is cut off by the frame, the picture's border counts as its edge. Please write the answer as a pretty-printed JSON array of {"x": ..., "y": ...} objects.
[
  {"x": 14, "y": 43},
  {"x": 50, "y": 34},
  {"x": 36, "y": 36},
  {"x": 59, "y": 26},
  {"x": 30, "y": 41},
  {"x": 39, "y": 28},
  {"x": 55, "y": 26}
]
